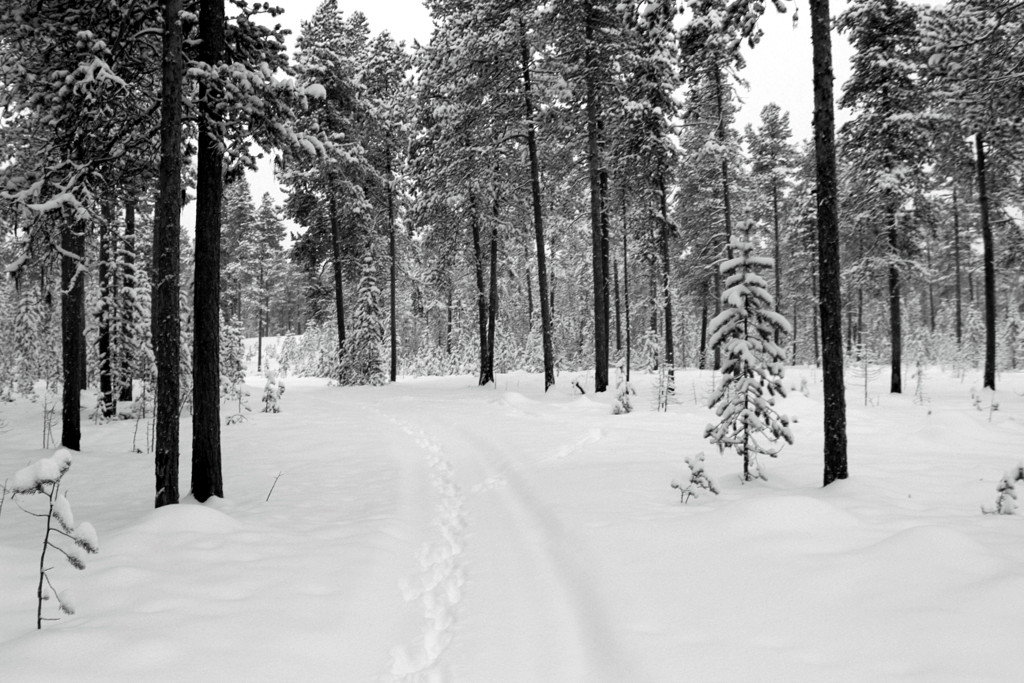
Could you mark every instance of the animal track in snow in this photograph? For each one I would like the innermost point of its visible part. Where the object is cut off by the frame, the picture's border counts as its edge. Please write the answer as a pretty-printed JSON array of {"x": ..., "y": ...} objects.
[{"x": 438, "y": 585}]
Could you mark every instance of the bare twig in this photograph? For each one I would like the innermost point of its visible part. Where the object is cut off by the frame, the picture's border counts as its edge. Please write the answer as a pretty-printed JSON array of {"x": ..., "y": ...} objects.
[{"x": 272, "y": 486}]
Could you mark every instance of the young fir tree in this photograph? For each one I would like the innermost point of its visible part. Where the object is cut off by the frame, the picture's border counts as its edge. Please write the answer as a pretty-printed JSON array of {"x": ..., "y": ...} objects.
[
  {"x": 362, "y": 363},
  {"x": 752, "y": 363}
]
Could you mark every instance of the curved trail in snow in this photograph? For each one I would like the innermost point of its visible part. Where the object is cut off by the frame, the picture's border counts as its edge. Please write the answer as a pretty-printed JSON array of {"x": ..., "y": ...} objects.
[{"x": 531, "y": 610}]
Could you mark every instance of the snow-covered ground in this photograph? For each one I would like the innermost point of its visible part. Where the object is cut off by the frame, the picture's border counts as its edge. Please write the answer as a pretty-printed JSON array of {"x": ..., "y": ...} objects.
[{"x": 433, "y": 529}]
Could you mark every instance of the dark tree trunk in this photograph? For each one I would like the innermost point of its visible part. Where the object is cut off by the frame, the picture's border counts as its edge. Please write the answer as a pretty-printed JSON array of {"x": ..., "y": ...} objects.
[
  {"x": 666, "y": 291},
  {"x": 895, "y": 317},
  {"x": 486, "y": 371},
  {"x": 547, "y": 299},
  {"x": 492, "y": 308},
  {"x": 860, "y": 316},
  {"x": 448, "y": 328},
  {"x": 106, "y": 312},
  {"x": 958, "y": 322},
  {"x": 166, "y": 261},
  {"x": 618, "y": 307},
  {"x": 72, "y": 314},
  {"x": 207, "y": 478},
  {"x": 339, "y": 298},
  {"x": 702, "y": 360},
  {"x": 625, "y": 287},
  {"x": 393, "y": 254},
  {"x": 830, "y": 298},
  {"x": 989, "y": 379},
  {"x": 726, "y": 200},
  {"x": 128, "y": 282},
  {"x": 778, "y": 253},
  {"x": 794, "y": 321},
  {"x": 814, "y": 326},
  {"x": 594, "y": 166},
  {"x": 931, "y": 286}
]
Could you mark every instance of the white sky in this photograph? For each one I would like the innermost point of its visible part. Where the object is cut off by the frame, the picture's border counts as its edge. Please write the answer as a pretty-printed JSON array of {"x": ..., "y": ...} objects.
[{"x": 778, "y": 70}]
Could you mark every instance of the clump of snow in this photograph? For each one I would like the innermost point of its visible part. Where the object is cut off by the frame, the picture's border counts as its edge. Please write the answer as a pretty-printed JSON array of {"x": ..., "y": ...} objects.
[{"x": 33, "y": 477}]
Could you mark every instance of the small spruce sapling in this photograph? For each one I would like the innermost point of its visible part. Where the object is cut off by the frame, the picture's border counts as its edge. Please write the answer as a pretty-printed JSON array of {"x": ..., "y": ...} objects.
[
  {"x": 752, "y": 363},
  {"x": 699, "y": 479},
  {"x": 44, "y": 477},
  {"x": 1006, "y": 502},
  {"x": 623, "y": 390},
  {"x": 363, "y": 363},
  {"x": 232, "y": 371},
  {"x": 272, "y": 393}
]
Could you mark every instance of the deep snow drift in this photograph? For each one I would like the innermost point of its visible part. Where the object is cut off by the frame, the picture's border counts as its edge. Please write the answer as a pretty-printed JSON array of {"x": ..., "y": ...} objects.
[{"x": 435, "y": 529}]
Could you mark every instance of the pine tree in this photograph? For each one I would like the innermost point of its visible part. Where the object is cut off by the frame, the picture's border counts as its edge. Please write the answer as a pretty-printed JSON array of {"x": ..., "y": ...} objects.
[
  {"x": 362, "y": 359},
  {"x": 752, "y": 363}
]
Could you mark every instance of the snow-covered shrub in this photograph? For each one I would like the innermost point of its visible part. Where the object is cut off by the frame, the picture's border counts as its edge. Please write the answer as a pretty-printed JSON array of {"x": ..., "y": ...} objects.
[
  {"x": 272, "y": 392},
  {"x": 1006, "y": 502},
  {"x": 699, "y": 479},
  {"x": 623, "y": 390},
  {"x": 43, "y": 478},
  {"x": 752, "y": 363}
]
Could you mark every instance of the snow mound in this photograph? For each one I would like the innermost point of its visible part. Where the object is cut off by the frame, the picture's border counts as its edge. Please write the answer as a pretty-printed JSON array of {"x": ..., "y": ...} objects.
[
  {"x": 186, "y": 518},
  {"x": 934, "y": 550},
  {"x": 787, "y": 514}
]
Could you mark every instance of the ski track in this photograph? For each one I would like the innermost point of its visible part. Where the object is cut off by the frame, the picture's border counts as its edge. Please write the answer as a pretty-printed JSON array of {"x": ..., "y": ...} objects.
[
  {"x": 582, "y": 642},
  {"x": 438, "y": 586}
]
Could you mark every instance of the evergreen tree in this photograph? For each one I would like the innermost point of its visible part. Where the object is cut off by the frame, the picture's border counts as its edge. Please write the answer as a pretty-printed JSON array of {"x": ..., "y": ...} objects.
[
  {"x": 362, "y": 359},
  {"x": 752, "y": 363}
]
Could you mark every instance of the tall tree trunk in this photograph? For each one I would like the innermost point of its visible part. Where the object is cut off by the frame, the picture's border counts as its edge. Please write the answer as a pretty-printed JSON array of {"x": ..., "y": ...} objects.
[
  {"x": 666, "y": 290},
  {"x": 778, "y": 253},
  {"x": 895, "y": 317},
  {"x": 830, "y": 298},
  {"x": 492, "y": 308},
  {"x": 166, "y": 261},
  {"x": 958, "y": 322},
  {"x": 989, "y": 379},
  {"x": 618, "y": 307},
  {"x": 814, "y": 326},
  {"x": 794, "y": 321},
  {"x": 486, "y": 374},
  {"x": 207, "y": 478},
  {"x": 106, "y": 311},
  {"x": 702, "y": 360},
  {"x": 931, "y": 286},
  {"x": 339, "y": 297},
  {"x": 393, "y": 254},
  {"x": 625, "y": 287},
  {"x": 547, "y": 299},
  {"x": 594, "y": 167},
  {"x": 860, "y": 316},
  {"x": 720, "y": 134},
  {"x": 128, "y": 282},
  {"x": 448, "y": 328},
  {"x": 72, "y": 314}
]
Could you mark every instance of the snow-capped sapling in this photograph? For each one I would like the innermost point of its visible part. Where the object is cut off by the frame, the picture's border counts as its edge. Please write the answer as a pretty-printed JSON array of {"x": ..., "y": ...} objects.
[
  {"x": 272, "y": 393},
  {"x": 699, "y": 479},
  {"x": 44, "y": 477},
  {"x": 623, "y": 390},
  {"x": 1006, "y": 503},
  {"x": 752, "y": 363}
]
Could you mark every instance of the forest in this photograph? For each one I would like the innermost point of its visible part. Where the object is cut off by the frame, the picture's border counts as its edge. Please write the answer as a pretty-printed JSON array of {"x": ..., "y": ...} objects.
[{"x": 543, "y": 186}]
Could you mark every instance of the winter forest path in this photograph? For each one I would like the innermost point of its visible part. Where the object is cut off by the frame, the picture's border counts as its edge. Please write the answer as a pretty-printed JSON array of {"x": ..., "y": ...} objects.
[{"x": 434, "y": 530}]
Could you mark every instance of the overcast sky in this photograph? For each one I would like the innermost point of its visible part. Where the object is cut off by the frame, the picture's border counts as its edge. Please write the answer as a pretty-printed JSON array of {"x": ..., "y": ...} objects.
[{"x": 778, "y": 70}]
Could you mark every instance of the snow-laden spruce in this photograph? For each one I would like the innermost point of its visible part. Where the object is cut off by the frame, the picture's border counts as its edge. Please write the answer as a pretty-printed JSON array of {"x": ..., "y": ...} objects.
[
  {"x": 45, "y": 477},
  {"x": 752, "y": 363},
  {"x": 1006, "y": 502},
  {"x": 362, "y": 361}
]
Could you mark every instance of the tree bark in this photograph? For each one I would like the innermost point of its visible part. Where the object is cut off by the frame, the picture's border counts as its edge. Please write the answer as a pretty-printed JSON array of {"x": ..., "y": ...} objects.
[
  {"x": 166, "y": 260},
  {"x": 895, "y": 316},
  {"x": 72, "y": 309},
  {"x": 393, "y": 254},
  {"x": 207, "y": 478},
  {"x": 618, "y": 307},
  {"x": 625, "y": 287},
  {"x": 106, "y": 312},
  {"x": 486, "y": 371},
  {"x": 492, "y": 308},
  {"x": 778, "y": 253},
  {"x": 830, "y": 298},
  {"x": 958, "y": 322},
  {"x": 594, "y": 166},
  {"x": 666, "y": 291},
  {"x": 339, "y": 297},
  {"x": 989, "y": 379},
  {"x": 128, "y": 283},
  {"x": 547, "y": 299}
]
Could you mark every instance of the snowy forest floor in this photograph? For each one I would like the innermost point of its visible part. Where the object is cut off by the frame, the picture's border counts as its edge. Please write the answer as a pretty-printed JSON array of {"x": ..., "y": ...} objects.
[{"x": 433, "y": 529}]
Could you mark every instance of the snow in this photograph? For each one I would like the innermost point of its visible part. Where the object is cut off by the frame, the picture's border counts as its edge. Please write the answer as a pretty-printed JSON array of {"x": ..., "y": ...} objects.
[
  {"x": 47, "y": 470},
  {"x": 433, "y": 529}
]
